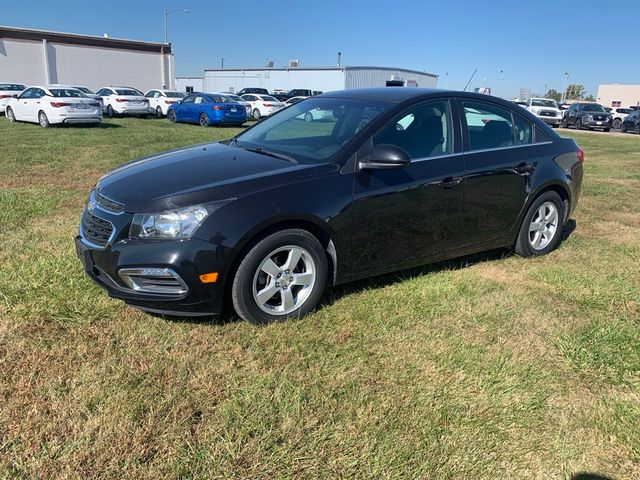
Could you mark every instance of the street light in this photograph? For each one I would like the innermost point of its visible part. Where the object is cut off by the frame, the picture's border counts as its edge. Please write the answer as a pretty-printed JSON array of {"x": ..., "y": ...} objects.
[
  {"x": 222, "y": 63},
  {"x": 166, "y": 14},
  {"x": 564, "y": 89}
]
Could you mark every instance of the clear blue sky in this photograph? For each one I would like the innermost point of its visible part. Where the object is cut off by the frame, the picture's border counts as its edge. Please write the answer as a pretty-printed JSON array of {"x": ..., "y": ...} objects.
[{"x": 530, "y": 41}]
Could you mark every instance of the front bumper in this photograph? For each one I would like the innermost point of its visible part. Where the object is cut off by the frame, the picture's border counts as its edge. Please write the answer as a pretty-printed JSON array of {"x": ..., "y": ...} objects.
[
  {"x": 551, "y": 120},
  {"x": 596, "y": 124},
  {"x": 188, "y": 259}
]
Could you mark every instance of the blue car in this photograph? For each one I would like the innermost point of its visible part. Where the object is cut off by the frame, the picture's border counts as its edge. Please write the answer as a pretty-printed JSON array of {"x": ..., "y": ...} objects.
[{"x": 207, "y": 109}]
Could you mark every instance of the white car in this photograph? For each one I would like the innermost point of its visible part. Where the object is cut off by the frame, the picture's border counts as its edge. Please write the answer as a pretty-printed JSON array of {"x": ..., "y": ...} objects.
[
  {"x": 9, "y": 90},
  {"x": 237, "y": 99},
  {"x": 618, "y": 114},
  {"x": 52, "y": 105},
  {"x": 262, "y": 105},
  {"x": 546, "y": 110},
  {"x": 123, "y": 101},
  {"x": 293, "y": 100},
  {"x": 161, "y": 100}
]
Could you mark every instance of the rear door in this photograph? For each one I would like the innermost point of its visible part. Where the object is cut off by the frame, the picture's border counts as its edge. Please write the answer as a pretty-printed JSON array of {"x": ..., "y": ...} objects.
[
  {"x": 402, "y": 215},
  {"x": 499, "y": 159}
]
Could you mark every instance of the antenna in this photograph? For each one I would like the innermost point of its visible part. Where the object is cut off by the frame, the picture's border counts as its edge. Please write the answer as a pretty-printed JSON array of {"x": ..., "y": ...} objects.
[{"x": 470, "y": 78}]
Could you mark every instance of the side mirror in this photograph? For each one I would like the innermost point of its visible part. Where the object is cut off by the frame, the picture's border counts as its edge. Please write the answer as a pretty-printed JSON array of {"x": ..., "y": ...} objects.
[
  {"x": 15, "y": 95},
  {"x": 386, "y": 156}
]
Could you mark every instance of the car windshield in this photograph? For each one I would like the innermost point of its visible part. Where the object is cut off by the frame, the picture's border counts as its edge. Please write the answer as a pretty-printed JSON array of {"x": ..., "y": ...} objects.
[
  {"x": 9, "y": 87},
  {"x": 594, "y": 107},
  {"x": 66, "y": 93},
  {"x": 543, "y": 102},
  {"x": 128, "y": 91},
  {"x": 268, "y": 98},
  {"x": 174, "y": 94},
  {"x": 312, "y": 131},
  {"x": 85, "y": 90}
]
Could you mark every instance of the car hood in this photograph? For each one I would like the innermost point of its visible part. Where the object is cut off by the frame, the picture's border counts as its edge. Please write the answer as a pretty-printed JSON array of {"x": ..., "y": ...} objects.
[{"x": 194, "y": 175}]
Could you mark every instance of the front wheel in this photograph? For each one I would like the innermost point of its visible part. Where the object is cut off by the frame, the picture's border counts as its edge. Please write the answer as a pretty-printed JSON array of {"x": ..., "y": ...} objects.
[
  {"x": 283, "y": 276},
  {"x": 43, "y": 120},
  {"x": 578, "y": 124},
  {"x": 636, "y": 130},
  {"x": 542, "y": 226},
  {"x": 565, "y": 124},
  {"x": 171, "y": 115},
  {"x": 10, "y": 115},
  {"x": 204, "y": 120}
]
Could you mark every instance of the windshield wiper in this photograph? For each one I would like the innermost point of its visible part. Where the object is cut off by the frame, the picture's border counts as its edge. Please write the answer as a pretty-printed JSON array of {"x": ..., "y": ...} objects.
[{"x": 262, "y": 151}]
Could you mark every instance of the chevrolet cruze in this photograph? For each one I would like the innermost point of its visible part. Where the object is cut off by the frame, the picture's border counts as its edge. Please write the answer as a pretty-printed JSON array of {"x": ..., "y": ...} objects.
[{"x": 389, "y": 179}]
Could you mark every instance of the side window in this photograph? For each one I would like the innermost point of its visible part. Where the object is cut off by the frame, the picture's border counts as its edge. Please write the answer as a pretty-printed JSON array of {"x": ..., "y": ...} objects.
[
  {"x": 524, "y": 130},
  {"x": 157, "y": 94},
  {"x": 250, "y": 98},
  {"x": 27, "y": 93},
  {"x": 199, "y": 99},
  {"x": 489, "y": 126},
  {"x": 189, "y": 99},
  {"x": 541, "y": 137},
  {"x": 423, "y": 131},
  {"x": 151, "y": 94}
]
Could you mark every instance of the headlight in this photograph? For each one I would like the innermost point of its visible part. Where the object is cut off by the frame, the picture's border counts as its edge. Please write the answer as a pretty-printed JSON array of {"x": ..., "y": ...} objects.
[{"x": 171, "y": 225}]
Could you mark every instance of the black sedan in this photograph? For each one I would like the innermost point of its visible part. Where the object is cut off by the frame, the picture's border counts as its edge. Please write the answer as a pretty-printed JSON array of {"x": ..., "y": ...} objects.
[
  {"x": 631, "y": 123},
  {"x": 389, "y": 179}
]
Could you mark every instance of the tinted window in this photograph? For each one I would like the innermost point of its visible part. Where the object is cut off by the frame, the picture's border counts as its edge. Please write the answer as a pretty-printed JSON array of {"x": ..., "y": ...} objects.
[
  {"x": 541, "y": 137},
  {"x": 66, "y": 93},
  {"x": 543, "y": 102},
  {"x": 151, "y": 94},
  {"x": 593, "y": 107},
  {"x": 128, "y": 91},
  {"x": 249, "y": 98},
  {"x": 423, "y": 131},
  {"x": 174, "y": 94},
  {"x": 6, "y": 87},
  {"x": 268, "y": 98},
  {"x": 28, "y": 93},
  {"x": 523, "y": 130},
  {"x": 189, "y": 99},
  {"x": 489, "y": 126}
]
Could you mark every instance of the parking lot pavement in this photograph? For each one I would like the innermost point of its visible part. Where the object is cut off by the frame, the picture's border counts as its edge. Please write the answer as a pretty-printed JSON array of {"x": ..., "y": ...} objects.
[{"x": 599, "y": 132}]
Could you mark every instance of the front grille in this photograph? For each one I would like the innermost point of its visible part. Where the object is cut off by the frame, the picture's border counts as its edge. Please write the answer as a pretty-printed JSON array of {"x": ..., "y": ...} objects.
[
  {"x": 599, "y": 117},
  {"x": 107, "y": 203},
  {"x": 547, "y": 113},
  {"x": 96, "y": 230},
  {"x": 159, "y": 281}
]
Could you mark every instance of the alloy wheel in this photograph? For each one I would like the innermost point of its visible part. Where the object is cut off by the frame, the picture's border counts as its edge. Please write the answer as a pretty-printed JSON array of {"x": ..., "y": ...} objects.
[
  {"x": 204, "y": 120},
  {"x": 10, "y": 116},
  {"x": 284, "y": 280},
  {"x": 543, "y": 226}
]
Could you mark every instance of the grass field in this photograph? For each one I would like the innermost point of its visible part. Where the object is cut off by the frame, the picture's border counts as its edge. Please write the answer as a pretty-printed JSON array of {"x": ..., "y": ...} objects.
[{"x": 493, "y": 366}]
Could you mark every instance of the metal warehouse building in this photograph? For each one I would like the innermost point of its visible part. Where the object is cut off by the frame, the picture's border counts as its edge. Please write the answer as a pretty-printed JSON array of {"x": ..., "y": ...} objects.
[
  {"x": 43, "y": 57},
  {"x": 617, "y": 95},
  {"x": 324, "y": 79}
]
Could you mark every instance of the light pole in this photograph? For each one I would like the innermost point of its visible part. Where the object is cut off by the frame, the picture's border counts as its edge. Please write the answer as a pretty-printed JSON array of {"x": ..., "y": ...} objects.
[
  {"x": 166, "y": 14},
  {"x": 564, "y": 89},
  {"x": 500, "y": 81},
  {"x": 222, "y": 63}
]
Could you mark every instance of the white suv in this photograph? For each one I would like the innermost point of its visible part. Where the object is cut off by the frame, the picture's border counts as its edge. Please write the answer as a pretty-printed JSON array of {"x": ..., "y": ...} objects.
[
  {"x": 123, "y": 101},
  {"x": 161, "y": 100},
  {"x": 618, "y": 114},
  {"x": 546, "y": 110}
]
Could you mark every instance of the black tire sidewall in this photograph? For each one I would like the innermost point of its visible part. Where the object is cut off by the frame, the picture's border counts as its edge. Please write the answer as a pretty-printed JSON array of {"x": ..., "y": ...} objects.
[
  {"x": 46, "y": 123},
  {"x": 158, "y": 112},
  {"x": 171, "y": 115},
  {"x": 523, "y": 246},
  {"x": 242, "y": 287},
  {"x": 12, "y": 116},
  {"x": 110, "y": 111}
]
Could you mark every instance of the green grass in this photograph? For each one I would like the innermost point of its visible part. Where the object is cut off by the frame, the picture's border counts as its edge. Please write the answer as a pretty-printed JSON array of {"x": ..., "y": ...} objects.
[{"x": 493, "y": 366}]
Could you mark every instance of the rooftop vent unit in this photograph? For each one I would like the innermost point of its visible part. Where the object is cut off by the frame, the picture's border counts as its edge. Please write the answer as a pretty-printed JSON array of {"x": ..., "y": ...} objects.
[
  {"x": 269, "y": 63},
  {"x": 294, "y": 63}
]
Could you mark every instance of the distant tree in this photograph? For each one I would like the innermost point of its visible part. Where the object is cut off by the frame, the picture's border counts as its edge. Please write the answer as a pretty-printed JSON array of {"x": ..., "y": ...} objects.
[
  {"x": 556, "y": 95},
  {"x": 590, "y": 98},
  {"x": 575, "y": 92}
]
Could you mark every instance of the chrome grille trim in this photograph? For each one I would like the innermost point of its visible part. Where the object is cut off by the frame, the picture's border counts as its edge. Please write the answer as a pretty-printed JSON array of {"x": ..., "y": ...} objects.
[
  {"x": 95, "y": 231},
  {"x": 157, "y": 281},
  {"x": 106, "y": 203}
]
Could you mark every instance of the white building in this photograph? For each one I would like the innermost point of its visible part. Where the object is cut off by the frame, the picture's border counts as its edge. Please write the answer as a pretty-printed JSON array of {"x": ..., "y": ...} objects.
[
  {"x": 323, "y": 79},
  {"x": 43, "y": 57},
  {"x": 189, "y": 84},
  {"x": 617, "y": 95}
]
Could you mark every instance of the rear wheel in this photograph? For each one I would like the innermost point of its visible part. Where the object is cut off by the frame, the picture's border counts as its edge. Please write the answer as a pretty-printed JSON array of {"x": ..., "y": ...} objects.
[
  {"x": 542, "y": 226},
  {"x": 43, "y": 120},
  {"x": 159, "y": 112},
  {"x": 110, "y": 112},
  {"x": 204, "y": 120},
  {"x": 171, "y": 115},
  {"x": 283, "y": 276},
  {"x": 617, "y": 123},
  {"x": 623, "y": 129},
  {"x": 256, "y": 114},
  {"x": 636, "y": 129},
  {"x": 10, "y": 115}
]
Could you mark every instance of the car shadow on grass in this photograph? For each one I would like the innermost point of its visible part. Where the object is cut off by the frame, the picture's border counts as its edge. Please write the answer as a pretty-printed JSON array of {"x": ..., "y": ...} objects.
[{"x": 335, "y": 293}]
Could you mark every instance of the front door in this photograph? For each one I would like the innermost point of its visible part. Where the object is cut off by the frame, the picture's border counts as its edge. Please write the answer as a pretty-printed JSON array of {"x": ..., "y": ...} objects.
[{"x": 402, "y": 215}]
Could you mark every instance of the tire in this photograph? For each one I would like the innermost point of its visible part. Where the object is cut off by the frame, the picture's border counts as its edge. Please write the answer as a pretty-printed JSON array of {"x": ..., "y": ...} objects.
[
  {"x": 623, "y": 129},
  {"x": 144, "y": 116},
  {"x": 565, "y": 124},
  {"x": 43, "y": 120},
  {"x": 617, "y": 124},
  {"x": 256, "y": 114},
  {"x": 606, "y": 130},
  {"x": 555, "y": 125},
  {"x": 578, "y": 124},
  {"x": 171, "y": 116},
  {"x": 203, "y": 120},
  {"x": 308, "y": 117},
  {"x": 159, "y": 112},
  {"x": 545, "y": 234},
  {"x": 10, "y": 115},
  {"x": 636, "y": 129},
  {"x": 110, "y": 112},
  {"x": 252, "y": 284}
]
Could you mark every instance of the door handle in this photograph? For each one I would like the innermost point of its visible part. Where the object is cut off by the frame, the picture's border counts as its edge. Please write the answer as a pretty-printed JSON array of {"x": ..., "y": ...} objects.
[
  {"x": 450, "y": 182},
  {"x": 525, "y": 169}
]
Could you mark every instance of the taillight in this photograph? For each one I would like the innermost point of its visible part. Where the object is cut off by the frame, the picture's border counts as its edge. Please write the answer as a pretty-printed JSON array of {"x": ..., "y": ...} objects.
[
  {"x": 268, "y": 104},
  {"x": 120, "y": 100},
  {"x": 95, "y": 104},
  {"x": 217, "y": 107},
  {"x": 5, "y": 96},
  {"x": 580, "y": 155},
  {"x": 169, "y": 102},
  {"x": 60, "y": 104}
]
